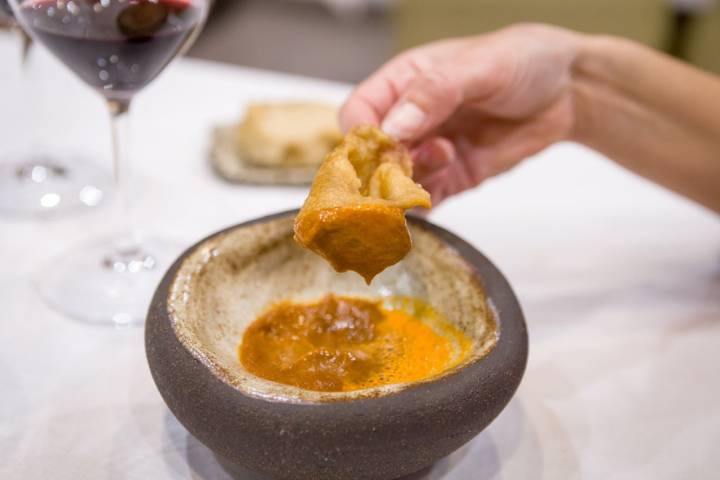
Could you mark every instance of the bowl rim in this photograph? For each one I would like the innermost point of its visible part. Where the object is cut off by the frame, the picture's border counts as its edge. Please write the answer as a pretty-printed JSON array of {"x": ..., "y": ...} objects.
[{"x": 512, "y": 338}]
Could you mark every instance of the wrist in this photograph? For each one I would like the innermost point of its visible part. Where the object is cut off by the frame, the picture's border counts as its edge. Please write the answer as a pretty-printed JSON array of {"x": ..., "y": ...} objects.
[{"x": 592, "y": 72}]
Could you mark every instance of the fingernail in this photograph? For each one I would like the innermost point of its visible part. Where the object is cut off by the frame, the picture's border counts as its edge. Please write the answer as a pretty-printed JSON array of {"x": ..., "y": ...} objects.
[{"x": 403, "y": 121}]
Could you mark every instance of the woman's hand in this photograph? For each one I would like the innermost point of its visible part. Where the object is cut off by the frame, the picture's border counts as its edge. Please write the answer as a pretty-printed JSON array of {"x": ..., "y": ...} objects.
[{"x": 472, "y": 108}]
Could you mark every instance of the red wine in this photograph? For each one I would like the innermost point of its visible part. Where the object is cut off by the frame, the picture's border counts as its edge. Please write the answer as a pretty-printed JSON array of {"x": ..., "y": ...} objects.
[
  {"x": 6, "y": 13},
  {"x": 117, "y": 47}
]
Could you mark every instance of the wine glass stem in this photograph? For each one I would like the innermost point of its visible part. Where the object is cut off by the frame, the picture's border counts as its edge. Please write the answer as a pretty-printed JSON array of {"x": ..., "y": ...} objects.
[
  {"x": 25, "y": 44},
  {"x": 129, "y": 240}
]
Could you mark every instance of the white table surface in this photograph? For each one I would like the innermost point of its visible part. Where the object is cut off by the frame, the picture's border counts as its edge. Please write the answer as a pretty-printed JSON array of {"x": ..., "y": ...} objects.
[{"x": 619, "y": 280}]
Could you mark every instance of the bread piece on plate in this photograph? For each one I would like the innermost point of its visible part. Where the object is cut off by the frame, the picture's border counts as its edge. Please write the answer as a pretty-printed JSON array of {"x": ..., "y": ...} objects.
[{"x": 288, "y": 134}]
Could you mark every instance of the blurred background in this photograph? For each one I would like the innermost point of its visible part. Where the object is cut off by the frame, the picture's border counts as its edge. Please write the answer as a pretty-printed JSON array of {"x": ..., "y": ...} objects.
[{"x": 347, "y": 39}]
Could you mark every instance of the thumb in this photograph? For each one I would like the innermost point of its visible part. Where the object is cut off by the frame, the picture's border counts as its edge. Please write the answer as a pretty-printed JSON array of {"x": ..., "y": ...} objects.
[
  {"x": 438, "y": 91},
  {"x": 430, "y": 99}
]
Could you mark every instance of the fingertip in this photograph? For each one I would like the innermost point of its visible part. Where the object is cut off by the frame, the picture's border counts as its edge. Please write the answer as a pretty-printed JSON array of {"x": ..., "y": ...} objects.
[
  {"x": 434, "y": 153},
  {"x": 431, "y": 156}
]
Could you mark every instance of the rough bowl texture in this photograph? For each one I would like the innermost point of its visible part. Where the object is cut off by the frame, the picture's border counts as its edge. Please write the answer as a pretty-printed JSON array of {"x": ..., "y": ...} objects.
[{"x": 216, "y": 288}]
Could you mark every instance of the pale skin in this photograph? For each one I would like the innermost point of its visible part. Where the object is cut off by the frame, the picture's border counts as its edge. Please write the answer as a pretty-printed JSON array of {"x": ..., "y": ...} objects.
[{"x": 471, "y": 108}]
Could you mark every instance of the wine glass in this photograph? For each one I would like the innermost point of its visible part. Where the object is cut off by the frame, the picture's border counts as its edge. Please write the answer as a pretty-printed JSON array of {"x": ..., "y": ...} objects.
[
  {"x": 116, "y": 47},
  {"x": 37, "y": 182}
]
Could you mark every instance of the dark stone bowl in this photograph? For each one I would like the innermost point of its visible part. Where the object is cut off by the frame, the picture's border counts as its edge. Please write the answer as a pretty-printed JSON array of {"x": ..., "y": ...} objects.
[{"x": 211, "y": 293}]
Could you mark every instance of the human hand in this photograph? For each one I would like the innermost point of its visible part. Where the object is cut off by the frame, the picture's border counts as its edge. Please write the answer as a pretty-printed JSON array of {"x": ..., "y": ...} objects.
[{"x": 471, "y": 108}]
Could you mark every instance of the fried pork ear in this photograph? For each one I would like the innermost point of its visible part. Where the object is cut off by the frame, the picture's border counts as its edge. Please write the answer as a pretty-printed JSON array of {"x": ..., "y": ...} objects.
[{"x": 354, "y": 216}]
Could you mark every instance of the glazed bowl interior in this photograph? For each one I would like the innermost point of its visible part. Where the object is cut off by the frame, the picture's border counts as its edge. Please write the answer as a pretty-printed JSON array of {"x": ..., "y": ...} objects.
[{"x": 231, "y": 278}]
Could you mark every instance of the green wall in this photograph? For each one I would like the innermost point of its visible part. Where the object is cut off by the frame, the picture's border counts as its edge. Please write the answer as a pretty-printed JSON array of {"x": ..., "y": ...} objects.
[{"x": 648, "y": 21}]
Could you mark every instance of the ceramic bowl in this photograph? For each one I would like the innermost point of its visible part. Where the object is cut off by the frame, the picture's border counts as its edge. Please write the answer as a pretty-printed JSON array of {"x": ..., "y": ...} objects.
[{"x": 220, "y": 285}]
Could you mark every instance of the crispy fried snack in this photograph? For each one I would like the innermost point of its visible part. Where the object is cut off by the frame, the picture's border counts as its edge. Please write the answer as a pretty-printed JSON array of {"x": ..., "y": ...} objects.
[{"x": 354, "y": 216}]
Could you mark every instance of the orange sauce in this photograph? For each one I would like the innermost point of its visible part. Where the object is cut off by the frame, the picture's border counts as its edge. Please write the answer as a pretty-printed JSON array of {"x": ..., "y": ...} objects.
[{"x": 341, "y": 344}]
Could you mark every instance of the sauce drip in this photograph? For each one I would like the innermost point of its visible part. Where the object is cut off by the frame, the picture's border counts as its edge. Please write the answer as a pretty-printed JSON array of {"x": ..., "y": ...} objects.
[{"x": 342, "y": 344}]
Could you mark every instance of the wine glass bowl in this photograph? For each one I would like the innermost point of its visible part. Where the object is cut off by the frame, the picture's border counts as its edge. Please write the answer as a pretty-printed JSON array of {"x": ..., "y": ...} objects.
[{"x": 116, "y": 47}]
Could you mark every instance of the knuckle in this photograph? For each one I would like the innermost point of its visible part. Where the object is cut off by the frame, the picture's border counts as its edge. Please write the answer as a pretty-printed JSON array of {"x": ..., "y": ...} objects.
[
  {"x": 440, "y": 86},
  {"x": 525, "y": 27}
]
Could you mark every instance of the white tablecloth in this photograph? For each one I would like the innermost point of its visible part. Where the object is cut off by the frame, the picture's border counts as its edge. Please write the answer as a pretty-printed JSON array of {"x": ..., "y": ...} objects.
[{"x": 619, "y": 280}]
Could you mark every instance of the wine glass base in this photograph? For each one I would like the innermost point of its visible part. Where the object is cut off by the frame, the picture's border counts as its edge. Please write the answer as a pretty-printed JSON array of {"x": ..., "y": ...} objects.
[
  {"x": 101, "y": 285},
  {"x": 37, "y": 184}
]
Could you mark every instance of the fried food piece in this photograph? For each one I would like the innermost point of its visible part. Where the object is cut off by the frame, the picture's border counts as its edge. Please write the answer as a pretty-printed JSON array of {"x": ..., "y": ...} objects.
[
  {"x": 354, "y": 216},
  {"x": 288, "y": 134}
]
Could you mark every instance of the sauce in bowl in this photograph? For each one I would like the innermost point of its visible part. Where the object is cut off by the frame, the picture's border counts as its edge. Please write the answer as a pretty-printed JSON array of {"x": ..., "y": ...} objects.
[{"x": 341, "y": 344}]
